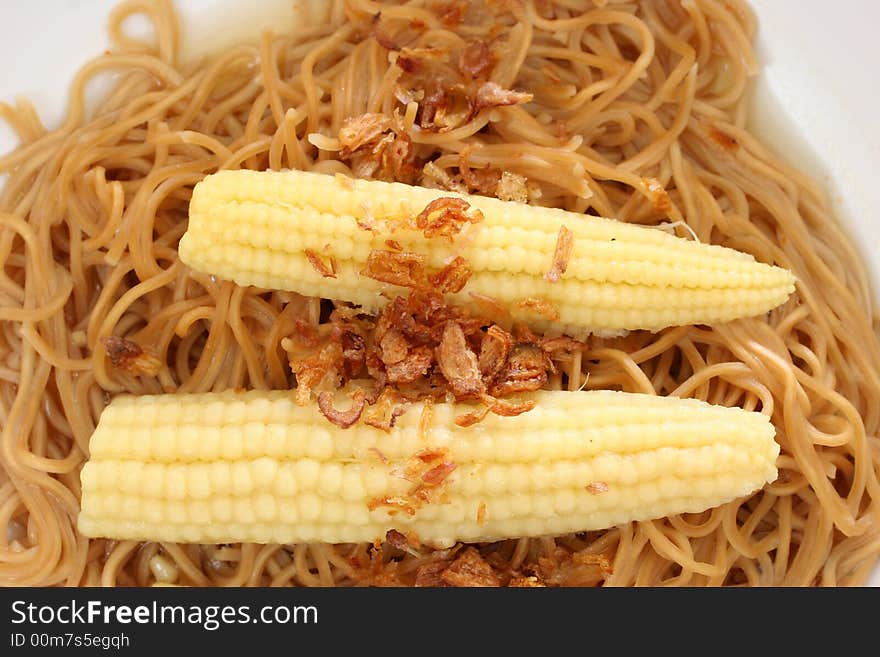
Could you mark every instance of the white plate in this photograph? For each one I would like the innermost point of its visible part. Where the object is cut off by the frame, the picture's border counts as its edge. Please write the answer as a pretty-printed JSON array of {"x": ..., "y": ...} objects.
[{"x": 816, "y": 99}]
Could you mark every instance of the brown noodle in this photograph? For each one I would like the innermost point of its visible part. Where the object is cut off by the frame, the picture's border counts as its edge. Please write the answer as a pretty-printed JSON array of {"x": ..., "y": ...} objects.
[{"x": 629, "y": 98}]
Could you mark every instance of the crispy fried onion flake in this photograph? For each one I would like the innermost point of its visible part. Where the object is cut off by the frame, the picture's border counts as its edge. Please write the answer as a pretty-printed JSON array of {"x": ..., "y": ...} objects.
[
  {"x": 421, "y": 346},
  {"x": 130, "y": 357},
  {"x": 427, "y": 471},
  {"x": 485, "y": 565},
  {"x": 377, "y": 146},
  {"x": 446, "y": 216},
  {"x": 561, "y": 254}
]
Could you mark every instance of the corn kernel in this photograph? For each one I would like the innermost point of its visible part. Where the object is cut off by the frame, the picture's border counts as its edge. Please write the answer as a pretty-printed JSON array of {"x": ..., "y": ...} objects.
[{"x": 536, "y": 473}]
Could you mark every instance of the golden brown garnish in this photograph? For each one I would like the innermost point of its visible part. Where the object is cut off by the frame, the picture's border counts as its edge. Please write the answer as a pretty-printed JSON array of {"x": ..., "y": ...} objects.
[
  {"x": 482, "y": 181},
  {"x": 342, "y": 419},
  {"x": 490, "y": 306},
  {"x": 377, "y": 147},
  {"x": 494, "y": 352},
  {"x": 371, "y": 568},
  {"x": 525, "y": 370},
  {"x": 408, "y": 64},
  {"x": 512, "y": 187},
  {"x": 437, "y": 475},
  {"x": 436, "y": 178},
  {"x": 476, "y": 60},
  {"x": 305, "y": 334},
  {"x": 540, "y": 307},
  {"x": 562, "y": 568},
  {"x": 404, "y": 269},
  {"x": 429, "y": 574},
  {"x": 408, "y": 543},
  {"x": 458, "y": 363},
  {"x": 471, "y": 565},
  {"x": 413, "y": 367},
  {"x": 450, "y": 12},
  {"x": 428, "y": 470},
  {"x": 561, "y": 255},
  {"x": 425, "y": 419},
  {"x": 530, "y": 582},
  {"x": 354, "y": 350},
  {"x": 393, "y": 346},
  {"x": 396, "y": 539},
  {"x": 470, "y": 569},
  {"x": 412, "y": 315},
  {"x": 442, "y": 217},
  {"x": 491, "y": 94},
  {"x": 367, "y": 223},
  {"x": 493, "y": 405},
  {"x": 452, "y": 278},
  {"x": 446, "y": 216},
  {"x": 327, "y": 271},
  {"x": 383, "y": 413},
  {"x": 395, "y": 502},
  {"x": 451, "y": 85},
  {"x": 562, "y": 343},
  {"x": 506, "y": 408},
  {"x": 316, "y": 370},
  {"x": 472, "y": 418},
  {"x": 360, "y": 131},
  {"x": 421, "y": 347},
  {"x": 130, "y": 357},
  {"x": 415, "y": 58},
  {"x": 396, "y": 158},
  {"x": 445, "y": 104}
]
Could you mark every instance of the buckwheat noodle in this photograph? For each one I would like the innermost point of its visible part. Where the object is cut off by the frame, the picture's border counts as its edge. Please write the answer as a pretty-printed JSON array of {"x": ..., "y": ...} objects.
[{"x": 629, "y": 98}]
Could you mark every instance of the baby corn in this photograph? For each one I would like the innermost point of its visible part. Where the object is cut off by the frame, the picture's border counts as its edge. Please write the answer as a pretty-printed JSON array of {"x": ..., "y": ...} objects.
[
  {"x": 314, "y": 233},
  {"x": 255, "y": 466}
]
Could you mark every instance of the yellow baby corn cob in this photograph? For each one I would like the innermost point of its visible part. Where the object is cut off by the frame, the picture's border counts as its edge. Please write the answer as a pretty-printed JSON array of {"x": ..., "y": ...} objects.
[
  {"x": 255, "y": 466},
  {"x": 259, "y": 228}
]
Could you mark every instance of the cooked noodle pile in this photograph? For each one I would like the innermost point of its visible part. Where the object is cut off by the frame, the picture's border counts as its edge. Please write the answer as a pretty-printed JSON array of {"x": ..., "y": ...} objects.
[{"x": 638, "y": 112}]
